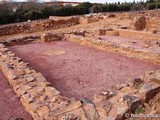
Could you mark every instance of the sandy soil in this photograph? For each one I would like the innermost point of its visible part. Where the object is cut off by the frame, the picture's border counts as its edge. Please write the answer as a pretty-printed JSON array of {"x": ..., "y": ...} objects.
[
  {"x": 10, "y": 105},
  {"x": 81, "y": 71}
]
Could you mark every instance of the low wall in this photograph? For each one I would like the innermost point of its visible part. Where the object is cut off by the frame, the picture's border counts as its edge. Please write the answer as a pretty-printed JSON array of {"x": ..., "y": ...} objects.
[
  {"x": 20, "y": 40},
  {"x": 32, "y": 38},
  {"x": 112, "y": 47},
  {"x": 87, "y": 20},
  {"x": 36, "y": 26},
  {"x": 44, "y": 102},
  {"x": 126, "y": 33},
  {"x": 138, "y": 35}
]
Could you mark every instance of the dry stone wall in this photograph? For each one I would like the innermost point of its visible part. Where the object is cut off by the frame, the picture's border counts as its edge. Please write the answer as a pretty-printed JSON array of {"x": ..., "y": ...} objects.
[
  {"x": 19, "y": 40},
  {"x": 49, "y": 36},
  {"x": 141, "y": 20},
  {"x": 36, "y": 26},
  {"x": 117, "y": 47},
  {"x": 138, "y": 35},
  {"x": 44, "y": 102},
  {"x": 132, "y": 34},
  {"x": 87, "y": 19},
  {"x": 38, "y": 97}
]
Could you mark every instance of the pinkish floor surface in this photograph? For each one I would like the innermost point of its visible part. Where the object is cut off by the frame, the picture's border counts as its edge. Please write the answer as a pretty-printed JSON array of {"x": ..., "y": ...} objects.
[
  {"x": 82, "y": 71},
  {"x": 10, "y": 105}
]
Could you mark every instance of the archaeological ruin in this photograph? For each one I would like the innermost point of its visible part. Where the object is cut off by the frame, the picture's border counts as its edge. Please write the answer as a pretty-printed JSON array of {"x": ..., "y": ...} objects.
[{"x": 103, "y": 66}]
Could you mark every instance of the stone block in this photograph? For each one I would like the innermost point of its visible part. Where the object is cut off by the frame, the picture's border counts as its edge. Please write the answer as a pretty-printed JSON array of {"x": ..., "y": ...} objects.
[
  {"x": 29, "y": 78},
  {"x": 37, "y": 74},
  {"x": 68, "y": 108},
  {"x": 149, "y": 90},
  {"x": 89, "y": 109},
  {"x": 26, "y": 98},
  {"x": 40, "y": 78},
  {"x": 20, "y": 92},
  {"x": 43, "y": 112},
  {"x": 50, "y": 91},
  {"x": 111, "y": 15},
  {"x": 80, "y": 33},
  {"x": 112, "y": 33},
  {"x": 103, "y": 106},
  {"x": 47, "y": 37},
  {"x": 139, "y": 23},
  {"x": 87, "y": 20},
  {"x": 130, "y": 99},
  {"x": 153, "y": 77},
  {"x": 102, "y": 32},
  {"x": 33, "y": 106}
]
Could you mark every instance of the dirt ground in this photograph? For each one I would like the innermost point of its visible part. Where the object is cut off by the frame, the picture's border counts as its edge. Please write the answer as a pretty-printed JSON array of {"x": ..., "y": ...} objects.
[
  {"x": 81, "y": 71},
  {"x": 10, "y": 105}
]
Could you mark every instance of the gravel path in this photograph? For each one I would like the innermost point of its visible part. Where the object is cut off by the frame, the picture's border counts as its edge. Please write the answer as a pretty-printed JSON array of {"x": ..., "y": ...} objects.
[
  {"x": 10, "y": 105},
  {"x": 81, "y": 71}
]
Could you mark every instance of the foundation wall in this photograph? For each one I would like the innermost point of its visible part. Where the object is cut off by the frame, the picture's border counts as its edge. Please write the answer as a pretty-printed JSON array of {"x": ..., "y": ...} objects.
[
  {"x": 112, "y": 47},
  {"x": 87, "y": 20},
  {"x": 36, "y": 26},
  {"x": 44, "y": 102},
  {"x": 138, "y": 35}
]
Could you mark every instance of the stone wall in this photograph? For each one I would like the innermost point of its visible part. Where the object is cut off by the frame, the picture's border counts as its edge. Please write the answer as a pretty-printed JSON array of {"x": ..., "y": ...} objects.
[
  {"x": 151, "y": 22},
  {"x": 20, "y": 40},
  {"x": 32, "y": 38},
  {"x": 44, "y": 102},
  {"x": 38, "y": 97},
  {"x": 132, "y": 34},
  {"x": 111, "y": 46},
  {"x": 48, "y": 36},
  {"x": 138, "y": 35},
  {"x": 86, "y": 20},
  {"x": 36, "y": 26}
]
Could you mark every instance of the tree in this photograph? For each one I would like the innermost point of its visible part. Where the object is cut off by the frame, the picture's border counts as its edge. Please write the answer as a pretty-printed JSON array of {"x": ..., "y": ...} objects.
[
  {"x": 33, "y": 15},
  {"x": 105, "y": 8},
  {"x": 124, "y": 7},
  {"x": 86, "y": 6},
  {"x": 96, "y": 8},
  {"x": 113, "y": 7},
  {"x": 6, "y": 11},
  {"x": 137, "y": 7},
  {"x": 47, "y": 11}
]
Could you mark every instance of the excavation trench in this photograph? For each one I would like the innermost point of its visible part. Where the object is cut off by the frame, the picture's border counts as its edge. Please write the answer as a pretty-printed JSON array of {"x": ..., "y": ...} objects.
[{"x": 80, "y": 71}]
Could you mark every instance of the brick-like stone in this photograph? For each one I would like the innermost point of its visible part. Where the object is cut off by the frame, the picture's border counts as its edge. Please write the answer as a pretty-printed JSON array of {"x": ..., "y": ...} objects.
[
  {"x": 50, "y": 91},
  {"x": 29, "y": 78},
  {"x": 70, "y": 107},
  {"x": 90, "y": 110},
  {"x": 104, "y": 106},
  {"x": 43, "y": 111}
]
